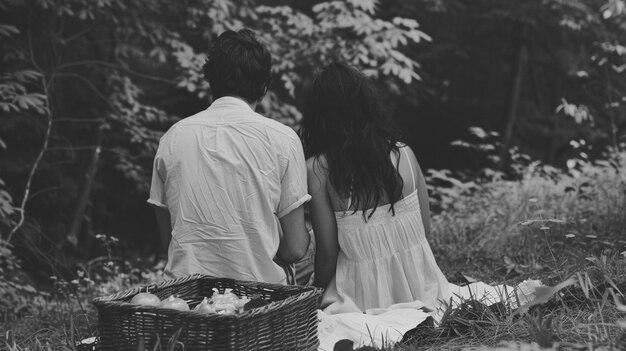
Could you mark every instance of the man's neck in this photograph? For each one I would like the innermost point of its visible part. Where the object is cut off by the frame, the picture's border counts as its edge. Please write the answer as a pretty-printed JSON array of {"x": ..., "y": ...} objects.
[{"x": 251, "y": 104}]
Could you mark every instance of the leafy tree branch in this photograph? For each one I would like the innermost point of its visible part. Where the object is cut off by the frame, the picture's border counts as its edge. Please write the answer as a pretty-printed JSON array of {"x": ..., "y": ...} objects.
[{"x": 47, "y": 113}]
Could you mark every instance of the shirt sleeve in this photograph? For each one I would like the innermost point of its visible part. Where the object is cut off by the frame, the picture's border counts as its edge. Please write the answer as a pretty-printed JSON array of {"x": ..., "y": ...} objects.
[
  {"x": 293, "y": 182},
  {"x": 157, "y": 187}
]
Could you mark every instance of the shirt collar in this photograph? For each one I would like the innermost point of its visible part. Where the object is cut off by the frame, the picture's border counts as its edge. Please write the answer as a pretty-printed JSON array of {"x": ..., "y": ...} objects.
[{"x": 229, "y": 102}]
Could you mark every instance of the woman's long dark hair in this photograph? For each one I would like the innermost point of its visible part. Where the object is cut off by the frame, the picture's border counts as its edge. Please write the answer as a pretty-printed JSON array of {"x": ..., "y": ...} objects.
[{"x": 344, "y": 121}]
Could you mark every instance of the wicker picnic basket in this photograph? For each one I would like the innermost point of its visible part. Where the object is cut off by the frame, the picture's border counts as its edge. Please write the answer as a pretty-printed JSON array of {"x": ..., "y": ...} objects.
[{"x": 288, "y": 322}]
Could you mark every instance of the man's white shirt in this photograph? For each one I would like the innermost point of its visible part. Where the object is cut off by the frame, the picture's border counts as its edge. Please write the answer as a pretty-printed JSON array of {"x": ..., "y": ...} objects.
[{"x": 226, "y": 175}]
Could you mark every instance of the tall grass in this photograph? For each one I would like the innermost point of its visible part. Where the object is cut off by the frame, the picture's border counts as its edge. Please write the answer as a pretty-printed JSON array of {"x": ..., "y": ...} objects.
[
  {"x": 569, "y": 213},
  {"x": 548, "y": 225}
]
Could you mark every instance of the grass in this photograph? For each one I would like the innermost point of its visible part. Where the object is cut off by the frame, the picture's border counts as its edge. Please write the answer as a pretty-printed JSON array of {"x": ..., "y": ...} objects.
[{"x": 548, "y": 226}]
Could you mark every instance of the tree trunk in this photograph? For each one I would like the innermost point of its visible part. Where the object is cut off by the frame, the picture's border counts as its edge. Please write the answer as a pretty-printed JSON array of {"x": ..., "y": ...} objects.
[
  {"x": 85, "y": 188},
  {"x": 516, "y": 86},
  {"x": 551, "y": 159},
  {"x": 611, "y": 108},
  {"x": 102, "y": 52}
]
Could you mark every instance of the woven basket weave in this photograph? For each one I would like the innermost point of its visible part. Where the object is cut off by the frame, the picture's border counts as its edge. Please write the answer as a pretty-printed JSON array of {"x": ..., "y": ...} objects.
[{"x": 288, "y": 322}]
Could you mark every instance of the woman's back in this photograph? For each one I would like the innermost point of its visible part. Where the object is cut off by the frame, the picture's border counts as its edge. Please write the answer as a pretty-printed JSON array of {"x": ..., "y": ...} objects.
[
  {"x": 369, "y": 206},
  {"x": 406, "y": 164},
  {"x": 385, "y": 259}
]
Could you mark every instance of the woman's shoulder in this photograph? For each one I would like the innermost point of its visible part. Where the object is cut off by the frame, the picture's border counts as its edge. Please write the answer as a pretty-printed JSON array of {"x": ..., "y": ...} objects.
[
  {"x": 400, "y": 144},
  {"x": 317, "y": 164},
  {"x": 317, "y": 169},
  {"x": 405, "y": 148}
]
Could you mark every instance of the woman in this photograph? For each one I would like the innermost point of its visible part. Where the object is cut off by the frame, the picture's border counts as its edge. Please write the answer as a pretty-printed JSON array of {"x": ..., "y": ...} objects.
[{"x": 369, "y": 206}]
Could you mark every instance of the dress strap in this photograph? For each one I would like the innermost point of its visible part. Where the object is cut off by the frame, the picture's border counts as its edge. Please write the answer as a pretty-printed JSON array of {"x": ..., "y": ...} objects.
[
  {"x": 350, "y": 195},
  {"x": 410, "y": 166},
  {"x": 349, "y": 202}
]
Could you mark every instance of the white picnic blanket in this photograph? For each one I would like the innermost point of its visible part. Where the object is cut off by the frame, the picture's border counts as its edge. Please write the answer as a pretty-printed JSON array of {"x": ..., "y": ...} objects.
[{"x": 386, "y": 326}]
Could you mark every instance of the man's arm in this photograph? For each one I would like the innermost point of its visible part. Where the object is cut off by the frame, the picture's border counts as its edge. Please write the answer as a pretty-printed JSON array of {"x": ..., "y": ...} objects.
[
  {"x": 295, "y": 240},
  {"x": 165, "y": 225},
  {"x": 158, "y": 199}
]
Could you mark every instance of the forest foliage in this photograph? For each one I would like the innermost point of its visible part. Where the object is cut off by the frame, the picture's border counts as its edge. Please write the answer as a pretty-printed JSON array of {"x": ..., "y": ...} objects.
[{"x": 87, "y": 88}]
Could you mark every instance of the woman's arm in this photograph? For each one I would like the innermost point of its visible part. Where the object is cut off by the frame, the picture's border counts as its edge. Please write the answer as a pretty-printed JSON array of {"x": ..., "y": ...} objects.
[
  {"x": 323, "y": 221},
  {"x": 422, "y": 192}
]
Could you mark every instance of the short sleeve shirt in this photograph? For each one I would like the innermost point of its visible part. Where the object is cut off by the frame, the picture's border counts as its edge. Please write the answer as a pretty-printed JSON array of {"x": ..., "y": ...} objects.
[{"x": 226, "y": 175}]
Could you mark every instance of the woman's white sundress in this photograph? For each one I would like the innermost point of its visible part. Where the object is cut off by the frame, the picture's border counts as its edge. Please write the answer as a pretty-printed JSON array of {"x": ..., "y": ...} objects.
[{"x": 384, "y": 261}]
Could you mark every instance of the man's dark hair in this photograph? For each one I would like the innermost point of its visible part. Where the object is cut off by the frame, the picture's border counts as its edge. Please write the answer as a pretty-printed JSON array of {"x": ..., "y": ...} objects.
[{"x": 238, "y": 65}]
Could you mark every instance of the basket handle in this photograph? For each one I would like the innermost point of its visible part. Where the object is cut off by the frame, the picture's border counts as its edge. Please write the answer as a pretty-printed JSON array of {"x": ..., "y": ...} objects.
[
  {"x": 148, "y": 288},
  {"x": 225, "y": 282},
  {"x": 228, "y": 280}
]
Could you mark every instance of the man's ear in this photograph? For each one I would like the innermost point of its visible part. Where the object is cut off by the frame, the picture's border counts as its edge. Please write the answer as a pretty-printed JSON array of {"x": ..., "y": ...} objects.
[{"x": 265, "y": 89}]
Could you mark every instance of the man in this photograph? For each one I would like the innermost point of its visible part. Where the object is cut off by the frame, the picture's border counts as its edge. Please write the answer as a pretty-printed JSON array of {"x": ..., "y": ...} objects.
[{"x": 228, "y": 184}]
